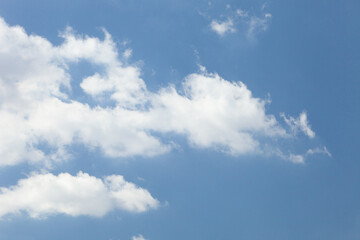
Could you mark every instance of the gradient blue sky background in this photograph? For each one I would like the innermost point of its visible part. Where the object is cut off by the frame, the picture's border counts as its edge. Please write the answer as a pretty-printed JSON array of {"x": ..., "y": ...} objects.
[{"x": 306, "y": 59}]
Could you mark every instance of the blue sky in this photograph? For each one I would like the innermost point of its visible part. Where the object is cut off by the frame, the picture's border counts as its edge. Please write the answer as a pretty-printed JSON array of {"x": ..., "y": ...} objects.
[{"x": 173, "y": 119}]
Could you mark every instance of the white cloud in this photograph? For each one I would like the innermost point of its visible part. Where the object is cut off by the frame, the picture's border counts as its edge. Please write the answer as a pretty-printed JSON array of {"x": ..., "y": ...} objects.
[
  {"x": 242, "y": 13},
  {"x": 296, "y": 158},
  {"x": 250, "y": 24},
  {"x": 122, "y": 82},
  {"x": 138, "y": 237},
  {"x": 214, "y": 113},
  {"x": 268, "y": 15},
  {"x": 318, "y": 150},
  {"x": 300, "y": 123},
  {"x": 257, "y": 25},
  {"x": 35, "y": 108},
  {"x": 41, "y": 195},
  {"x": 222, "y": 27},
  {"x": 40, "y": 120},
  {"x": 127, "y": 53},
  {"x": 301, "y": 158}
]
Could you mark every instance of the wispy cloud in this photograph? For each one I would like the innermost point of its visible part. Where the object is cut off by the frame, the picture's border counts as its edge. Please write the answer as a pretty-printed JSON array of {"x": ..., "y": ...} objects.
[
  {"x": 138, "y": 237},
  {"x": 318, "y": 150},
  {"x": 127, "y": 53},
  {"x": 301, "y": 158},
  {"x": 257, "y": 25},
  {"x": 251, "y": 25},
  {"x": 299, "y": 124}
]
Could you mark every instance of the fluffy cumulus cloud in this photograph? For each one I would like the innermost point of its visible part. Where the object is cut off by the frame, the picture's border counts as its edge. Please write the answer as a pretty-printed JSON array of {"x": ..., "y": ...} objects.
[
  {"x": 40, "y": 119},
  {"x": 35, "y": 108},
  {"x": 214, "y": 113},
  {"x": 41, "y": 195}
]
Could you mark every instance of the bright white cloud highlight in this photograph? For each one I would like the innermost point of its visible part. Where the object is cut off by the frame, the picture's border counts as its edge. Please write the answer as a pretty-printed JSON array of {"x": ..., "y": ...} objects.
[
  {"x": 214, "y": 113},
  {"x": 222, "y": 27},
  {"x": 40, "y": 120},
  {"x": 35, "y": 108},
  {"x": 42, "y": 195}
]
